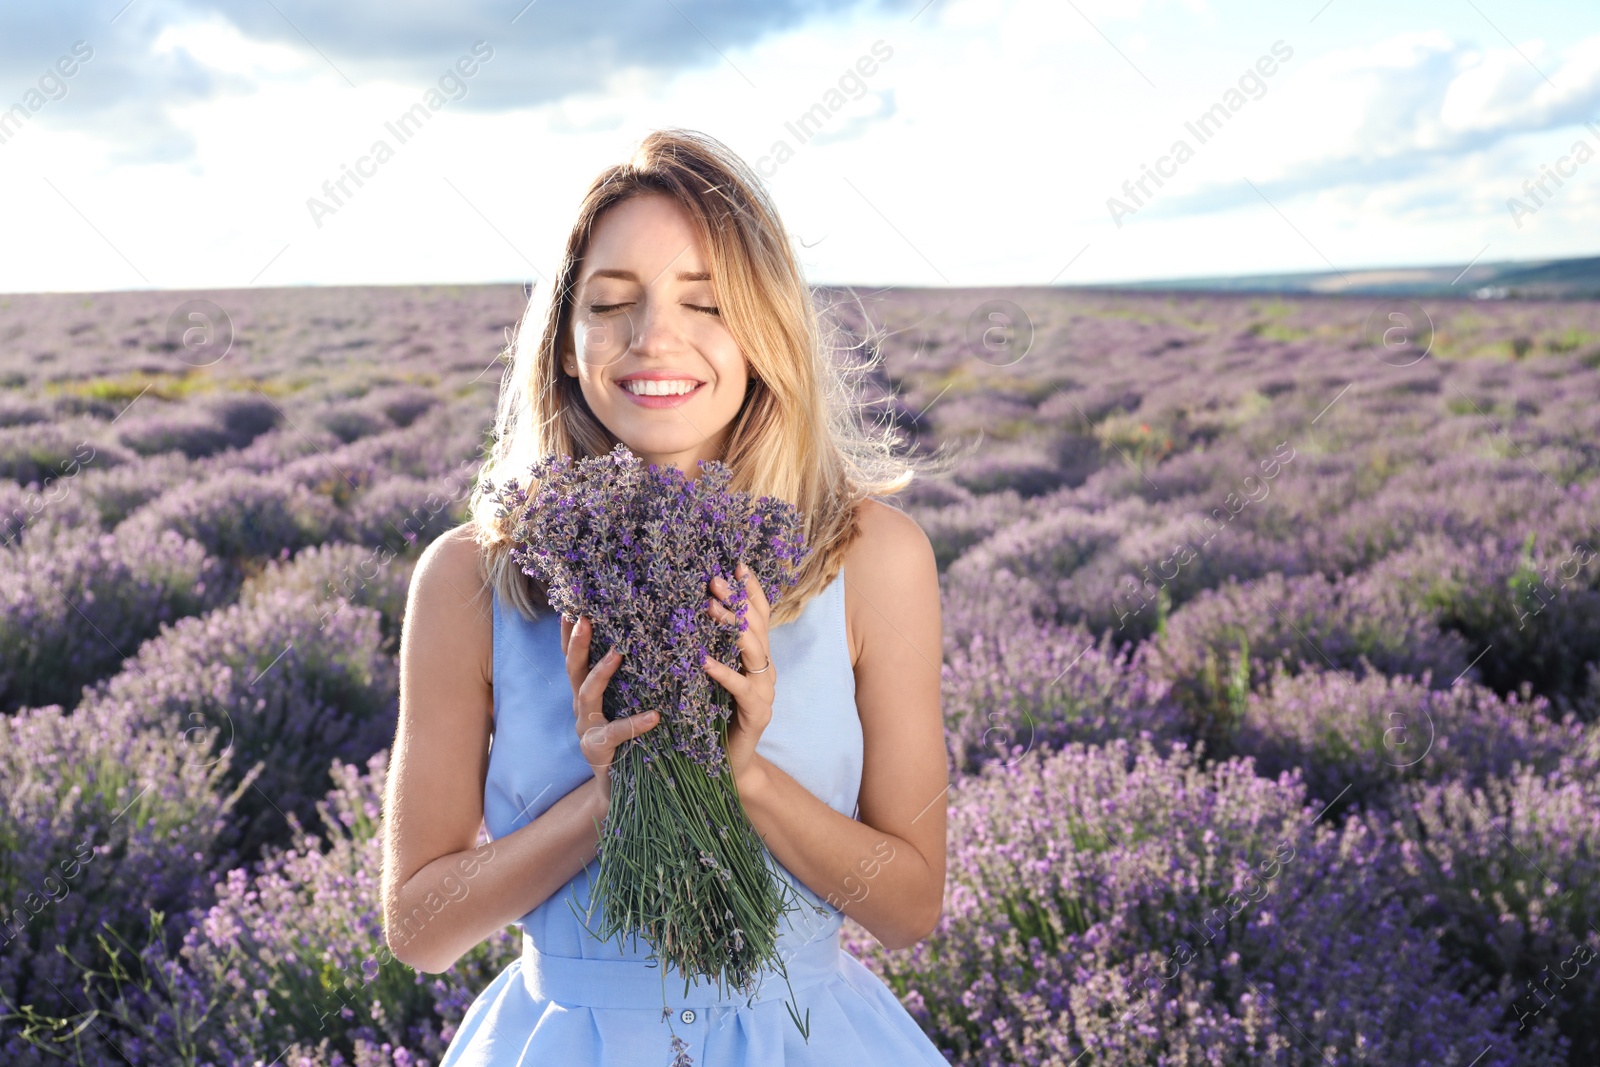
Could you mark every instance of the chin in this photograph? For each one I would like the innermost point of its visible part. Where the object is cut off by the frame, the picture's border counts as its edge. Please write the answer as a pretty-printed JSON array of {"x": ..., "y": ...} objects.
[{"x": 649, "y": 443}]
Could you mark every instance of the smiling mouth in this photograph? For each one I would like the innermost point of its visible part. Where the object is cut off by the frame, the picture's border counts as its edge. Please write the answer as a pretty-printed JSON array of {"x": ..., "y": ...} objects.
[{"x": 660, "y": 387}]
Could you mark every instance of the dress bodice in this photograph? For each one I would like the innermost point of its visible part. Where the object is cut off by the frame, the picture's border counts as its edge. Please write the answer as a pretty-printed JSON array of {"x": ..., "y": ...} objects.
[
  {"x": 534, "y": 760},
  {"x": 570, "y": 998}
]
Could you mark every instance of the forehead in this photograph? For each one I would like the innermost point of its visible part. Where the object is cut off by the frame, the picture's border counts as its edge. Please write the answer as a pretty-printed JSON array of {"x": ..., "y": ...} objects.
[{"x": 645, "y": 239}]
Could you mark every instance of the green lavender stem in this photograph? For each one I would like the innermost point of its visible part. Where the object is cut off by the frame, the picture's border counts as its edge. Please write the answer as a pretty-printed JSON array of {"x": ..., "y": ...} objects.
[{"x": 681, "y": 866}]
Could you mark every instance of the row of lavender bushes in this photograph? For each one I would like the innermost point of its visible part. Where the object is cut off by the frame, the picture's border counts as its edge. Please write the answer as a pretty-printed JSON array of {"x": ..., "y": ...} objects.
[
  {"x": 98, "y": 560},
  {"x": 1320, "y": 789},
  {"x": 197, "y": 640},
  {"x": 1447, "y": 871},
  {"x": 1386, "y": 662}
]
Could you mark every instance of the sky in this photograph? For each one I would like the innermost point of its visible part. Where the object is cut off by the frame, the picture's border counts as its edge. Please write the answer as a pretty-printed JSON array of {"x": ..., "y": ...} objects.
[{"x": 199, "y": 145}]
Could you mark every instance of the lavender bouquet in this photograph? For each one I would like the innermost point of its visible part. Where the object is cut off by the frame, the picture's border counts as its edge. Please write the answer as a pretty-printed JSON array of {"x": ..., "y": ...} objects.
[{"x": 633, "y": 547}]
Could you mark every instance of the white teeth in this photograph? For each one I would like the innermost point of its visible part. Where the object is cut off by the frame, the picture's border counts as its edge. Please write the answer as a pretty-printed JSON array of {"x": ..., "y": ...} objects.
[{"x": 653, "y": 387}]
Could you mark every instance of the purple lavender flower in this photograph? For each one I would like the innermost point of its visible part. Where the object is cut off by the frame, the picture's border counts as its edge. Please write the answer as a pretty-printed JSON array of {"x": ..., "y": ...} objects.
[
  {"x": 75, "y": 602},
  {"x": 238, "y": 516},
  {"x": 284, "y": 677},
  {"x": 101, "y": 821},
  {"x": 633, "y": 548},
  {"x": 1148, "y": 909},
  {"x": 289, "y": 954}
]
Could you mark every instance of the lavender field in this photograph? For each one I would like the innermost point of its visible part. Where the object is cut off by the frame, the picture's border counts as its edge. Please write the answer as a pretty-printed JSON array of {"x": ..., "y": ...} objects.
[{"x": 1271, "y": 680}]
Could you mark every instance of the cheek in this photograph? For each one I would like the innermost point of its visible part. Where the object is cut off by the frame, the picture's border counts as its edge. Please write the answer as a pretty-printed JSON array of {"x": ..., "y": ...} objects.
[
  {"x": 732, "y": 388},
  {"x": 591, "y": 389},
  {"x": 732, "y": 370}
]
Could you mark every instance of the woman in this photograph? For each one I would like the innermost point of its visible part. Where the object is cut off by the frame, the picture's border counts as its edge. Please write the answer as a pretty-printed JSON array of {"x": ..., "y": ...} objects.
[{"x": 677, "y": 274}]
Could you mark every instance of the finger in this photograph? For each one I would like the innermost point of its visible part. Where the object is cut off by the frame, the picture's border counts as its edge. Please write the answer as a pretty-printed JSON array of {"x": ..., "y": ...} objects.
[
  {"x": 592, "y": 742},
  {"x": 566, "y": 633},
  {"x": 577, "y": 652},
  {"x": 632, "y": 726},
  {"x": 758, "y": 595},
  {"x": 727, "y": 599},
  {"x": 721, "y": 612},
  {"x": 720, "y": 589},
  {"x": 753, "y": 655},
  {"x": 754, "y": 708},
  {"x": 601, "y": 741},
  {"x": 753, "y": 644},
  {"x": 592, "y": 688},
  {"x": 734, "y": 682}
]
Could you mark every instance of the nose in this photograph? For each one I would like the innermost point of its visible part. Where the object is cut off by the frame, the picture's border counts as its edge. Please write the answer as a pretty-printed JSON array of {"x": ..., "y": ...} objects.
[{"x": 655, "y": 330}]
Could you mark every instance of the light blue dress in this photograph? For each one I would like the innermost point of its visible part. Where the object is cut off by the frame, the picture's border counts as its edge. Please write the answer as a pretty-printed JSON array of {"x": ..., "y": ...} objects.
[{"x": 571, "y": 1000}]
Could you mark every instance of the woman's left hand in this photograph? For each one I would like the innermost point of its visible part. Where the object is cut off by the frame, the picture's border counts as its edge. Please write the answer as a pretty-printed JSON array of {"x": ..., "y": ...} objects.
[{"x": 752, "y": 693}]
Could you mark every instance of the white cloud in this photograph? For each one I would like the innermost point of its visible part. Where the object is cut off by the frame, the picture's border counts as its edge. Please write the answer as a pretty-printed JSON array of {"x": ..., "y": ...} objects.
[
  {"x": 1411, "y": 108},
  {"x": 982, "y": 152}
]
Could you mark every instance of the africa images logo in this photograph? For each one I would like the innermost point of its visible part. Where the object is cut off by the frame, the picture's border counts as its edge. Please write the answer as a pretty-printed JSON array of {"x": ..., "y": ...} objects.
[
  {"x": 452, "y": 86},
  {"x": 1203, "y": 128}
]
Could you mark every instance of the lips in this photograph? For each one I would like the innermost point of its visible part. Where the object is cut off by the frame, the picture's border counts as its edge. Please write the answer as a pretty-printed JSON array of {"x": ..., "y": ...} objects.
[
  {"x": 659, "y": 386},
  {"x": 666, "y": 389}
]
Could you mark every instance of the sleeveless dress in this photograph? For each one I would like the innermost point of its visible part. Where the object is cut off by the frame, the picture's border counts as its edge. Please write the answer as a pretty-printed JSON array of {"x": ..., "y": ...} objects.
[{"x": 571, "y": 1000}]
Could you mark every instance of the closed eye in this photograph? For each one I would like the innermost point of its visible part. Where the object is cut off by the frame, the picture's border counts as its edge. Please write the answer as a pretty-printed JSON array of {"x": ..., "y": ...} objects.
[{"x": 601, "y": 309}]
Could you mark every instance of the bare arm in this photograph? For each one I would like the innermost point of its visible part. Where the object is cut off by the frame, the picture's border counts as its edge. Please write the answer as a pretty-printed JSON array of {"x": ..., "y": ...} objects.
[
  {"x": 442, "y": 895},
  {"x": 886, "y": 871}
]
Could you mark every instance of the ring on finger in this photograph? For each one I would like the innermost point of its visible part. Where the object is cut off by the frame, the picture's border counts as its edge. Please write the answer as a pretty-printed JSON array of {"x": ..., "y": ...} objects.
[{"x": 765, "y": 667}]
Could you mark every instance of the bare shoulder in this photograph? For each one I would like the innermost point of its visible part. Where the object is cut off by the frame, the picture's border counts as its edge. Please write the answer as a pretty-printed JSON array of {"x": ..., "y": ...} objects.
[
  {"x": 455, "y": 553},
  {"x": 887, "y": 534},
  {"x": 450, "y": 604},
  {"x": 890, "y": 574}
]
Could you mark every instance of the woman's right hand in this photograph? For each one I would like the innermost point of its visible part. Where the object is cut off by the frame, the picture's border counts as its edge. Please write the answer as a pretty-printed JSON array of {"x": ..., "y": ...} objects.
[{"x": 597, "y": 738}]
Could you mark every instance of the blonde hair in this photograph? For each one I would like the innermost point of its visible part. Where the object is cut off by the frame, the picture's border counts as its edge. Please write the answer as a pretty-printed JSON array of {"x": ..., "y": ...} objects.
[{"x": 798, "y": 435}]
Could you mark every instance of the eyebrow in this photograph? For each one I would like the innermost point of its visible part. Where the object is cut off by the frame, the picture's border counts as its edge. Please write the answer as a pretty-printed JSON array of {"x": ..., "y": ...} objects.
[{"x": 629, "y": 276}]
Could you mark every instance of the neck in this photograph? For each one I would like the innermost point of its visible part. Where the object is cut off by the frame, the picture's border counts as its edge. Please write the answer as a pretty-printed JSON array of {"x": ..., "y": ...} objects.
[{"x": 688, "y": 461}]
